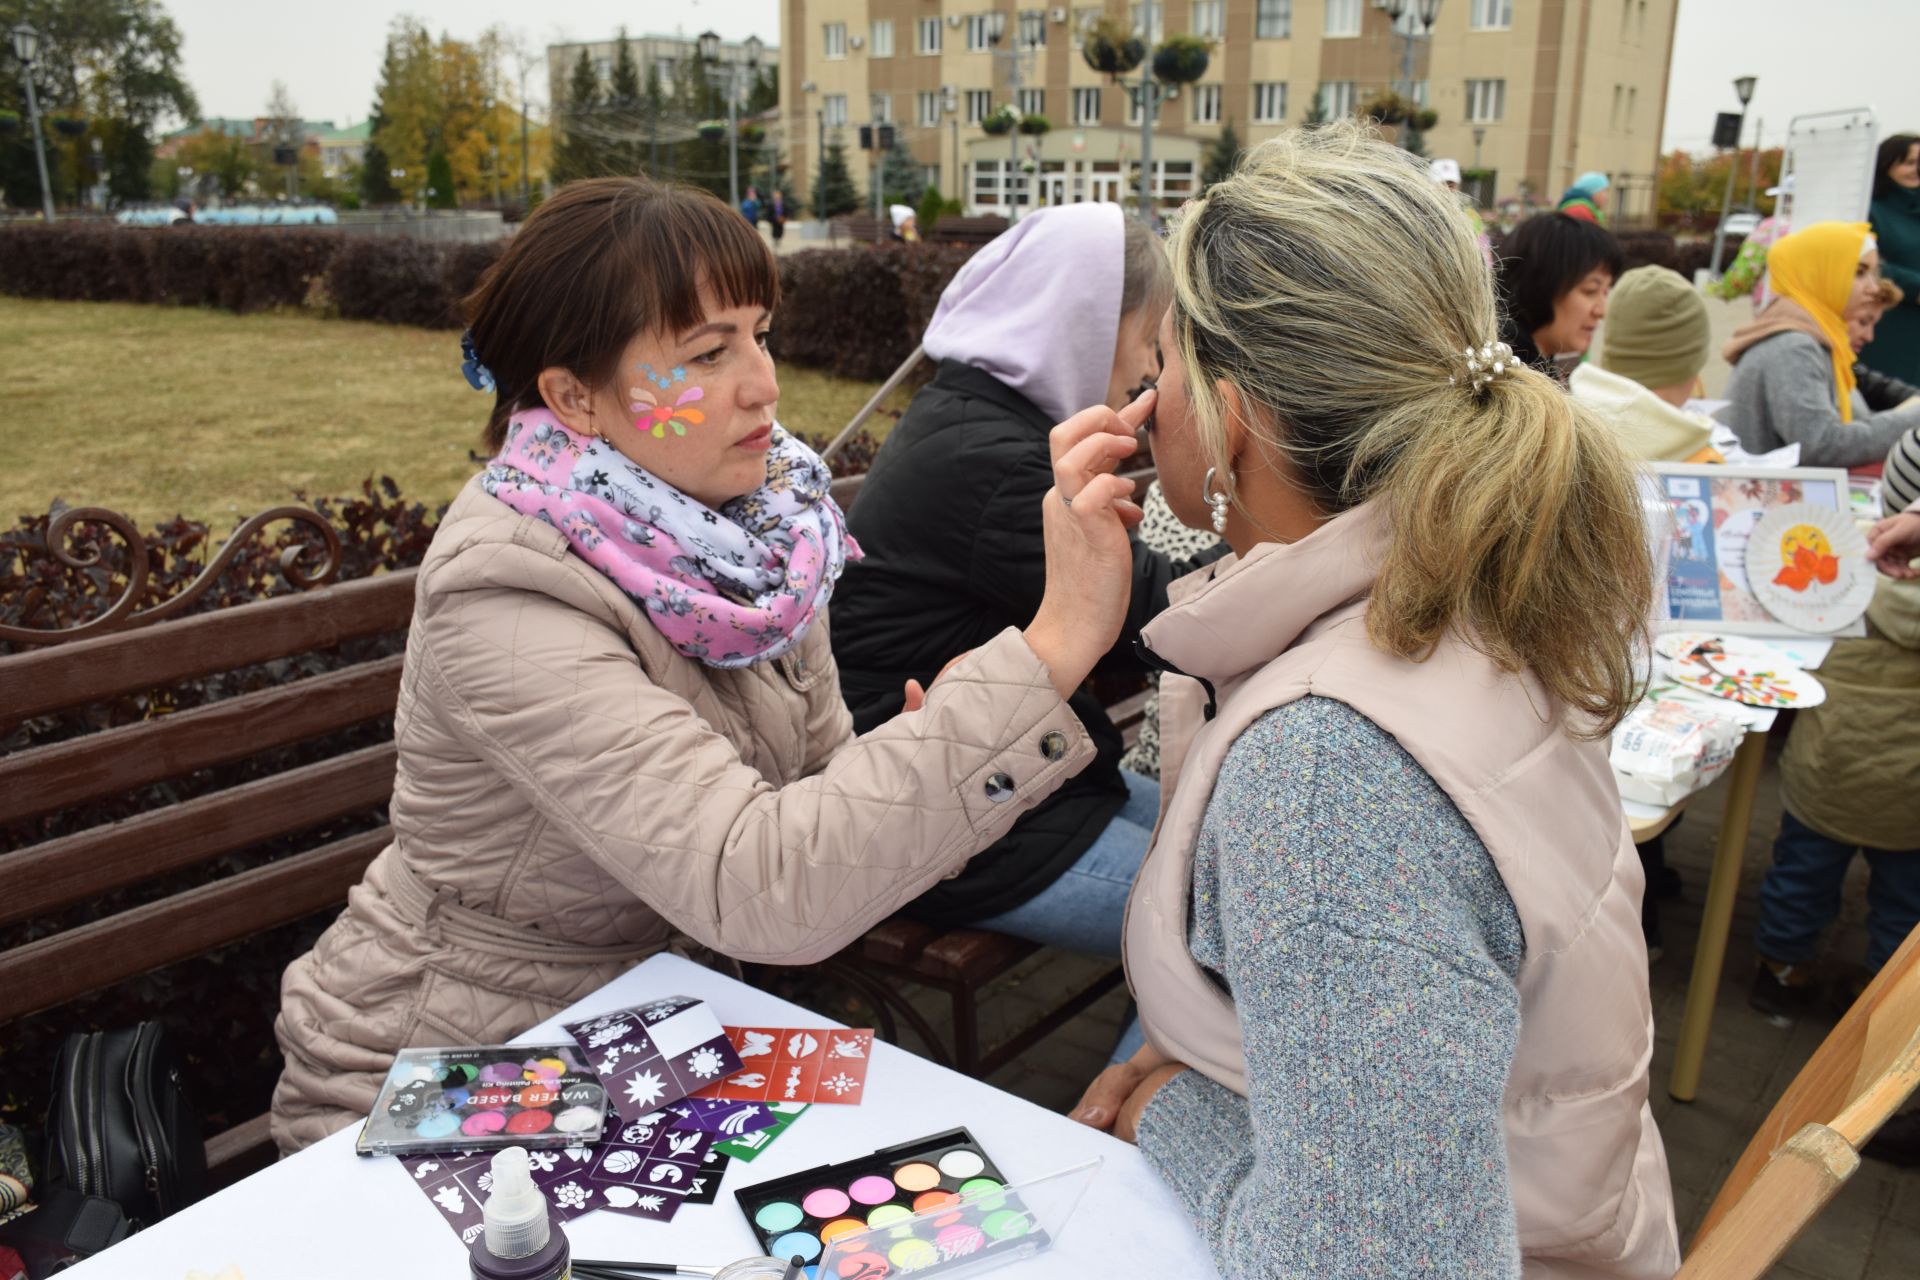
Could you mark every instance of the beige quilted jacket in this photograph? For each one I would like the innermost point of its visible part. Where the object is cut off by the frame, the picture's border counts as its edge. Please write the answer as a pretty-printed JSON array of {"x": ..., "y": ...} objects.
[{"x": 573, "y": 796}]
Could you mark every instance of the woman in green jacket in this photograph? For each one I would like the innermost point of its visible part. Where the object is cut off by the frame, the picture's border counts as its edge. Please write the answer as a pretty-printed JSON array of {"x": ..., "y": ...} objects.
[{"x": 1895, "y": 214}]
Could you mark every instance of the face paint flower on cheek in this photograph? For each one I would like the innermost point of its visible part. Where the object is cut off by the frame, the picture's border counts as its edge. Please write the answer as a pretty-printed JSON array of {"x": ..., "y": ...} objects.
[{"x": 655, "y": 418}]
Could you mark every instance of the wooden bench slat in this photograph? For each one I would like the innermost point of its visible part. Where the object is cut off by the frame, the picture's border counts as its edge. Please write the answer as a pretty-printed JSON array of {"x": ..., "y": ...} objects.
[
  {"x": 54, "y": 970},
  {"x": 1130, "y": 711},
  {"x": 53, "y": 874},
  {"x": 69, "y": 675},
  {"x": 109, "y": 763}
]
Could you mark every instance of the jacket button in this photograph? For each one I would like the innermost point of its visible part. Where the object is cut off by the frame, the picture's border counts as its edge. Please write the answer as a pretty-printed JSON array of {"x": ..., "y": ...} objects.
[
  {"x": 999, "y": 788},
  {"x": 1054, "y": 745}
]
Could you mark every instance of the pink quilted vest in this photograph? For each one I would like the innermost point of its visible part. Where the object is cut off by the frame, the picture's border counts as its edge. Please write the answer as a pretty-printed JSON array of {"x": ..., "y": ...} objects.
[{"x": 1589, "y": 1175}]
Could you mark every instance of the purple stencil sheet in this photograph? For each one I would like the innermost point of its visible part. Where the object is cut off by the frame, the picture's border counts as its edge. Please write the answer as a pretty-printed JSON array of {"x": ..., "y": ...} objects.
[
  {"x": 647, "y": 1181},
  {"x": 655, "y": 1054},
  {"x": 728, "y": 1119},
  {"x": 453, "y": 1183}
]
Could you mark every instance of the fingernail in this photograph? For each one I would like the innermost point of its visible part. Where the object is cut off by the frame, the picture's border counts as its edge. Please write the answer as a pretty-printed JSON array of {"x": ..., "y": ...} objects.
[{"x": 1090, "y": 1115}]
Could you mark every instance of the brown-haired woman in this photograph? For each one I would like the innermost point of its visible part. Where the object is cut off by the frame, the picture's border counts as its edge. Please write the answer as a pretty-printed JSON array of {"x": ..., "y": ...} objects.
[
  {"x": 620, "y": 728},
  {"x": 1386, "y": 946}
]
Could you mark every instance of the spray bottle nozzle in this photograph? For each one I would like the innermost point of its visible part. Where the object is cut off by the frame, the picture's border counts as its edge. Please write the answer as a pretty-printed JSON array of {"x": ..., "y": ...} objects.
[{"x": 515, "y": 1212}]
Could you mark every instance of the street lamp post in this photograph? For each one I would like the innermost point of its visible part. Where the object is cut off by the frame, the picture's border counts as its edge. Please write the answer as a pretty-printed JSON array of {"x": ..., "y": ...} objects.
[
  {"x": 26, "y": 47},
  {"x": 1744, "y": 87},
  {"x": 1016, "y": 50},
  {"x": 1427, "y": 12},
  {"x": 709, "y": 55}
]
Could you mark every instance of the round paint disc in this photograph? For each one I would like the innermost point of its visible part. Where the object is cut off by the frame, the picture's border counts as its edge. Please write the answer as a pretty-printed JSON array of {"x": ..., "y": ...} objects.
[{"x": 1808, "y": 566}]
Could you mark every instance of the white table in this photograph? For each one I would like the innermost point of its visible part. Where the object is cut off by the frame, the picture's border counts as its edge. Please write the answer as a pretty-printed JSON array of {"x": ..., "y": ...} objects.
[{"x": 328, "y": 1213}]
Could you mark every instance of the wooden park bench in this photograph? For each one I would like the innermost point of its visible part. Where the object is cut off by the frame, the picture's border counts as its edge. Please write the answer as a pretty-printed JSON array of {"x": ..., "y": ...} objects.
[{"x": 125, "y": 653}]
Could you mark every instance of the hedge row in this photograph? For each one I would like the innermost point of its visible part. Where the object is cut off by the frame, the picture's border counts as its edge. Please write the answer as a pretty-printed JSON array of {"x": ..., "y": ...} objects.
[
  {"x": 859, "y": 312},
  {"x": 394, "y": 279}
]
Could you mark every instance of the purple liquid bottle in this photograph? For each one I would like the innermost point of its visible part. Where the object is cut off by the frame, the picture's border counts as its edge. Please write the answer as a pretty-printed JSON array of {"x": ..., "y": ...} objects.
[{"x": 522, "y": 1242}]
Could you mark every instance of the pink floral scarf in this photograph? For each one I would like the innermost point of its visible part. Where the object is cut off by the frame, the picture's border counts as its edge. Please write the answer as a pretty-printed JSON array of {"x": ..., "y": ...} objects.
[{"x": 729, "y": 588}]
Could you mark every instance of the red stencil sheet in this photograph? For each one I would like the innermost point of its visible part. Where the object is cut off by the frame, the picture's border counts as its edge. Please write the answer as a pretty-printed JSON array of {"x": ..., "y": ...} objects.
[{"x": 796, "y": 1064}]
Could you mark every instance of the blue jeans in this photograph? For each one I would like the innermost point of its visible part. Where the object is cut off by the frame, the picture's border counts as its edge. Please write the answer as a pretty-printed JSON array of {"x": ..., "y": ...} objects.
[
  {"x": 1801, "y": 895},
  {"x": 1083, "y": 909}
]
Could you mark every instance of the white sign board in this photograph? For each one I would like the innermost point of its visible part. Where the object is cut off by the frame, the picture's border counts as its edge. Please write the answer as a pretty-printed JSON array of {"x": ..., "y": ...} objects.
[{"x": 1830, "y": 155}]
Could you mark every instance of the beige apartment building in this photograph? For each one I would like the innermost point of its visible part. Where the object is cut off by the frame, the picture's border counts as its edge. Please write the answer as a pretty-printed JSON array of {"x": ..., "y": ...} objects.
[{"x": 1534, "y": 92}]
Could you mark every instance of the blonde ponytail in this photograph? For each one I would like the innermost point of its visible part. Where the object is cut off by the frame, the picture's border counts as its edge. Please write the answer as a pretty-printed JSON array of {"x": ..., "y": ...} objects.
[{"x": 1337, "y": 287}]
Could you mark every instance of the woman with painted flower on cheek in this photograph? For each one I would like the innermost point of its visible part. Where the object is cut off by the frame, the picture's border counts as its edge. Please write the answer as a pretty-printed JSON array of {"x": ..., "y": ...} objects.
[{"x": 620, "y": 727}]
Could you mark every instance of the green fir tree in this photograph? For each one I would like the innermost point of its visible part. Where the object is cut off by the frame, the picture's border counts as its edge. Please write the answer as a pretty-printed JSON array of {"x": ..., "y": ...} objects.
[
  {"x": 1317, "y": 109},
  {"x": 578, "y": 154},
  {"x": 833, "y": 189},
  {"x": 902, "y": 180},
  {"x": 1222, "y": 158},
  {"x": 440, "y": 192}
]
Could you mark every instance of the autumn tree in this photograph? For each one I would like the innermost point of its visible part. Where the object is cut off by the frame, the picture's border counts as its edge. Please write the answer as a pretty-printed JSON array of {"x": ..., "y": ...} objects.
[
  {"x": 447, "y": 96},
  {"x": 115, "y": 64}
]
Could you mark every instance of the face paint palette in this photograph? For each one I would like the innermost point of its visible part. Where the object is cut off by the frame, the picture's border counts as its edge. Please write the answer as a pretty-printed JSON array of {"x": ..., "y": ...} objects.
[
  {"x": 937, "y": 1206},
  {"x": 479, "y": 1097}
]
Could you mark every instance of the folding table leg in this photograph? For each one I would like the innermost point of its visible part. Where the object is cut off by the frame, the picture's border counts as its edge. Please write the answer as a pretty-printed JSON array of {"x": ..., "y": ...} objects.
[{"x": 1717, "y": 919}]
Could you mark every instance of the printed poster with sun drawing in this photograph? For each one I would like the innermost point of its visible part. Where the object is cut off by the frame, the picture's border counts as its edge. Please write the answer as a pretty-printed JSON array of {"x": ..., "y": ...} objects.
[{"x": 1722, "y": 571}]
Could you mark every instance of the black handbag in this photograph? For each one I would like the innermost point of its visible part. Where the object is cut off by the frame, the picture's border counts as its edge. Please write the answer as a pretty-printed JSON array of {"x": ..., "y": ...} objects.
[{"x": 121, "y": 1127}]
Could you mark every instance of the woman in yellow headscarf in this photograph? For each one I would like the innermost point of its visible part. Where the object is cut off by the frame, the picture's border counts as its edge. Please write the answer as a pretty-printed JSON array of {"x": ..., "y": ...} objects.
[{"x": 1793, "y": 366}]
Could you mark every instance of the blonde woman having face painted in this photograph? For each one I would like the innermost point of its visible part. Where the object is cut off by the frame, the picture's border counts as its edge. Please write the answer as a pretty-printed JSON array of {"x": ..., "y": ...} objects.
[{"x": 1386, "y": 944}]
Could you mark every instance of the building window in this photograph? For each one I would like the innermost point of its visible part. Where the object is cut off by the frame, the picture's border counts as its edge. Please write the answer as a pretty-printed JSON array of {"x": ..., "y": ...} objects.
[
  {"x": 1203, "y": 107},
  {"x": 1148, "y": 19},
  {"x": 927, "y": 36},
  {"x": 981, "y": 30},
  {"x": 1273, "y": 19},
  {"x": 1208, "y": 19},
  {"x": 1342, "y": 97},
  {"x": 1490, "y": 15},
  {"x": 1633, "y": 95},
  {"x": 1270, "y": 102},
  {"x": 835, "y": 105},
  {"x": 1619, "y": 98},
  {"x": 1486, "y": 100},
  {"x": 1033, "y": 29},
  {"x": 836, "y": 39},
  {"x": 1031, "y": 102},
  {"x": 880, "y": 107},
  {"x": 663, "y": 71},
  {"x": 979, "y": 105},
  {"x": 1082, "y": 20},
  {"x": 1420, "y": 94},
  {"x": 926, "y": 108},
  {"x": 1086, "y": 106},
  {"x": 1343, "y": 18},
  {"x": 882, "y": 38}
]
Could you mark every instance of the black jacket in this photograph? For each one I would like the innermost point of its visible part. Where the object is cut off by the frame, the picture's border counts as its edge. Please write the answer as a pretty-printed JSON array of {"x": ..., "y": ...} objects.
[
  {"x": 950, "y": 521},
  {"x": 1882, "y": 391}
]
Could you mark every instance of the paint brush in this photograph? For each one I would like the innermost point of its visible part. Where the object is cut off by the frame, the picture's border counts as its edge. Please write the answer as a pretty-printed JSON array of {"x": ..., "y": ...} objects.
[
  {"x": 793, "y": 1268},
  {"x": 610, "y": 1268}
]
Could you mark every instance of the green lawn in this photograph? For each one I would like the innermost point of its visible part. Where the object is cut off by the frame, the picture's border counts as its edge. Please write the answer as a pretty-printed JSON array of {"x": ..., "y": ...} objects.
[{"x": 157, "y": 411}]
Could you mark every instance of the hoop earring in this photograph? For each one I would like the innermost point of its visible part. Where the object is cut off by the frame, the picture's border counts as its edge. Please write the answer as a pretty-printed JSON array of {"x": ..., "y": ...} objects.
[{"x": 1219, "y": 502}]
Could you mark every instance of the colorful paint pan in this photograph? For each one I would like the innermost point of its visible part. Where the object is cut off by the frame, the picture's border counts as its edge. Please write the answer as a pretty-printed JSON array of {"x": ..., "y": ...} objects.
[
  {"x": 922, "y": 1207},
  {"x": 485, "y": 1096}
]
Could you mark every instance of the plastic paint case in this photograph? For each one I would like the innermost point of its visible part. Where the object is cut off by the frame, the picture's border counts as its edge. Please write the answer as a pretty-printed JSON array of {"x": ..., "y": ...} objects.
[
  {"x": 475, "y": 1097},
  {"x": 937, "y": 1206}
]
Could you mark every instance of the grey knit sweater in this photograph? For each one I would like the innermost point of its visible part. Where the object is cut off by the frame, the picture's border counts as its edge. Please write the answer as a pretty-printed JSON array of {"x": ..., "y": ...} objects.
[
  {"x": 1782, "y": 391},
  {"x": 1370, "y": 947}
]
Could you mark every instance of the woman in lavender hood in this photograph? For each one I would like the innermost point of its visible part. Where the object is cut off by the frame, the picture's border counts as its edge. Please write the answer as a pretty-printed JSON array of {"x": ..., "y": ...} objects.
[{"x": 1059, "y": 313}]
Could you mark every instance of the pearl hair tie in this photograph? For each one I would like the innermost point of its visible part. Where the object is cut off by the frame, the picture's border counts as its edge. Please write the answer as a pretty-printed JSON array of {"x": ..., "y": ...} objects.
[{"x": 1491, "y": 361}]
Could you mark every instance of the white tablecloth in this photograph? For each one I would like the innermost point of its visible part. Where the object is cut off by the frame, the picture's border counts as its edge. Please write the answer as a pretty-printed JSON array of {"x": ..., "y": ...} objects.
[{"x": 327, "y": 1213}]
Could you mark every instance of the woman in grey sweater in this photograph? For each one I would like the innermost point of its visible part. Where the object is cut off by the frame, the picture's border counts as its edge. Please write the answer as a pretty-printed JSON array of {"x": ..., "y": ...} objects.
[
  {"x": 1386, "y": 944},
  {"x": 1793, "y": 379}
]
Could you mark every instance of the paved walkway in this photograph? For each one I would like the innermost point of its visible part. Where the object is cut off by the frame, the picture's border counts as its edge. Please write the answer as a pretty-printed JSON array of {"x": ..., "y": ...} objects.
[{"x": 1870, "y": 1232}]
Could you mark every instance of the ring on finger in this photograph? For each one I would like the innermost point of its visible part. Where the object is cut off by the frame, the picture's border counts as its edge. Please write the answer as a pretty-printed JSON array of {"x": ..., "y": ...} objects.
[{"x": 1065, "y": 501}]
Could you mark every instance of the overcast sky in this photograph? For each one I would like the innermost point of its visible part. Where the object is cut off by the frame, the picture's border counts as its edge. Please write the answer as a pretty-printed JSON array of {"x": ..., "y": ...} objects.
[{"x": 1809, "y": 55}]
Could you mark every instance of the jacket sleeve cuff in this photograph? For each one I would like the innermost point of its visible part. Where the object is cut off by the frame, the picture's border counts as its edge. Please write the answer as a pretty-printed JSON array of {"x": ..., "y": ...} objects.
[
  {"x": 1040, "y": 744},
  {"x": 1194, "y": 1131}
]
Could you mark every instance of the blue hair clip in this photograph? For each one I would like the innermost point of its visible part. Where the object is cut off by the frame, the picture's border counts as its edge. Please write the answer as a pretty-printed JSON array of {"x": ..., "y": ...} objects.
[{"x": 479, "y": 377}]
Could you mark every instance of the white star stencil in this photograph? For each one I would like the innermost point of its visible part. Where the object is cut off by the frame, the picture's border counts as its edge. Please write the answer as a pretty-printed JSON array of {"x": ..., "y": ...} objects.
[{"x": 645, "y": 1088}]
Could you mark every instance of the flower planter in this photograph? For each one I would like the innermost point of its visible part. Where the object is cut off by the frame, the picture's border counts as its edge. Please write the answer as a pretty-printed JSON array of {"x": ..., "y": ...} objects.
[
  {"x": 1110, "y": 50},
  {"x": 9, "y": 122},
  {"x": 1034, "y": 126},
  {"x": 68, "y": 127},
  {"x": 1000, "y": 123},
  {"x": 1425, "y": 119},
  {"x": 712, "y": 130},
  {"x": 1181, "y": 59}
]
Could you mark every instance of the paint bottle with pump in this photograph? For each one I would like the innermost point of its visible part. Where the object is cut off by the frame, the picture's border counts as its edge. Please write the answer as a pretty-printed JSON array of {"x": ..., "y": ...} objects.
[{"x": 522, "y": 1242}]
